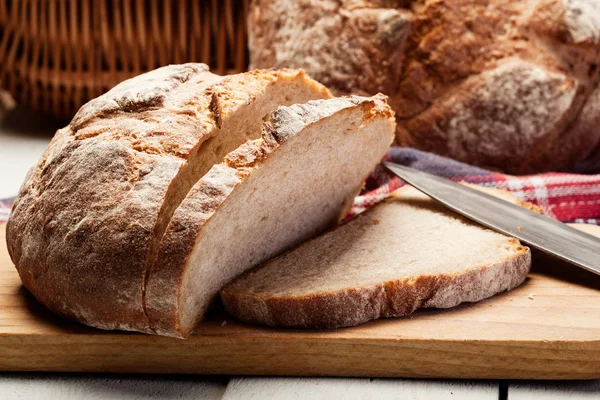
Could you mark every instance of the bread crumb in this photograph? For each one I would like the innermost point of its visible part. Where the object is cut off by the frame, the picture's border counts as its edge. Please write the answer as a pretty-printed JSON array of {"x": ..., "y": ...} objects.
[
  {"x": 520, "y": 228},
  {"x": 531, "y": 296},
  {"x": 224, "y": 323}
]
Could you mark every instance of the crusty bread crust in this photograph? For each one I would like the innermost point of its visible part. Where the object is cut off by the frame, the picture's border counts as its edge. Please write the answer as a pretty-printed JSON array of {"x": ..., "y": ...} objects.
[
  {"x": 82, "y": 222},
  {"x": 393, "y": 298},
  {"x": 493, "y": 83},
  {"x": 82, "y": 228},
  {"x": 163, "y": 291}
]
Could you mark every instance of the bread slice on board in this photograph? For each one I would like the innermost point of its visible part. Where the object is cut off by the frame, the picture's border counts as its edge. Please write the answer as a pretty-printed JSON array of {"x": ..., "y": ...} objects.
[
  {"x": 269, "y": 195},
  {"x": 89, "y": 216},
  {"x": 405, "y": 253}
]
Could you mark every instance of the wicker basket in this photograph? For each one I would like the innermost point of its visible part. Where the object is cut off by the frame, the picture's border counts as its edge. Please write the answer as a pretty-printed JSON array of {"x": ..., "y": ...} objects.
[{"x": 57, "y": 54}]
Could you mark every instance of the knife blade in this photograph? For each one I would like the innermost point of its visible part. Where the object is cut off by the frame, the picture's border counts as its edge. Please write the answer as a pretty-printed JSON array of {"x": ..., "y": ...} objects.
[{"x": 534, "y": 229}]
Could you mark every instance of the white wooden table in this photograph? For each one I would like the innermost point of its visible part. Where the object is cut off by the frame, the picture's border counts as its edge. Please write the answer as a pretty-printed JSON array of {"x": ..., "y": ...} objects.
[{"x": 23, "y": 137}]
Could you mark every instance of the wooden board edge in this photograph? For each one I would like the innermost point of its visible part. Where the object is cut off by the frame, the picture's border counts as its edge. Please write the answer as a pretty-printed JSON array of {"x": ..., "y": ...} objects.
[{"x": 406, "y": 358}]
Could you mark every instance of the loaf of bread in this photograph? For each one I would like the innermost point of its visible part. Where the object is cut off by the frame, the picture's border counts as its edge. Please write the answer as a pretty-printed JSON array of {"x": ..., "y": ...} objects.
[
  {"x": 405, "y": 253},
  {"x": 169, "y": 185},
  {"x": 89, "y": 217},
  {"x": 509, "y": 85}
]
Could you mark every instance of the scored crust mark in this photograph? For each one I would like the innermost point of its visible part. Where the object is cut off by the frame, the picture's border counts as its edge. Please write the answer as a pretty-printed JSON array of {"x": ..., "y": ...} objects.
[
  {"x": 371, "y": 268},
  {"x": 215, "y": 108},
  {"x": 530, "y": 102},
  {"x": 145, "y": 111},
  {"x": 137, "y": 94}
]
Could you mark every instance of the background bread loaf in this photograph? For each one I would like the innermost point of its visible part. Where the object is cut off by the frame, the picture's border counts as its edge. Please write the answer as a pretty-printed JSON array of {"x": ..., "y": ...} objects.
[{"x": 509, "y": 85}]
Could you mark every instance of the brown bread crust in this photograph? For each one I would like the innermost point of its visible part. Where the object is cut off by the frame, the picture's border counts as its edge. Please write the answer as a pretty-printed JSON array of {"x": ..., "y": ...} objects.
[
  {"x": 391, "y": 299},
  {"x": 82, "y": 223},
  {"x": 82, "y": 227},
  {"x": 500, "y": 84}
]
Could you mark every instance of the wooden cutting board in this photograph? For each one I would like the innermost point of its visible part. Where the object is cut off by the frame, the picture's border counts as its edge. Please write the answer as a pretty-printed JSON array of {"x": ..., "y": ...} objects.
[{"x": 548, "y": 328}]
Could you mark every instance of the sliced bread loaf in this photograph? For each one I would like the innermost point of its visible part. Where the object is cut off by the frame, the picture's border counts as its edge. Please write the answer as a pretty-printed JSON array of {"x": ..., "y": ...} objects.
[
  {"x": 405, "y": 253},
  {"x": 88, "y": 218},
  {"x": 268, "y": 195}
]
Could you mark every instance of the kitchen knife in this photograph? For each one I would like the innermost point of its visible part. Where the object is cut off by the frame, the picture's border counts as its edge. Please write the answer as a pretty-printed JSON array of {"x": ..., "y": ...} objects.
[{"x": 536, "y": 230}]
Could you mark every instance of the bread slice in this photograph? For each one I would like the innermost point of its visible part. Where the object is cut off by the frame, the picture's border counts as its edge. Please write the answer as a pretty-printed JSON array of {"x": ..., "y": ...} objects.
[
  {"x": 88, "y": 218},
  {"x": 268, "y": 195},
  {"x": 405, "y": 253}
]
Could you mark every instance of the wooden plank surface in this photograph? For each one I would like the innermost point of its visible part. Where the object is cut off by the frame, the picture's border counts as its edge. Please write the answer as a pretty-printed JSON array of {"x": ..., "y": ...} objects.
[
  {"x": 357, "y": 389},
  {"x": 549, "y": 328}
]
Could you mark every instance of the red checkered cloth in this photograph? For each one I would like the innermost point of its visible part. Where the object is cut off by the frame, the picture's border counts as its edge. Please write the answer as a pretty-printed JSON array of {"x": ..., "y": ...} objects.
[{"x": 565, "y": 197}]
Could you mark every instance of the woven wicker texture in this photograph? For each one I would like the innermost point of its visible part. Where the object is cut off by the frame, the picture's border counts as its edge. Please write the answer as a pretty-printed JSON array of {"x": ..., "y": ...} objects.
[{"x": 57, "y": 54}]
